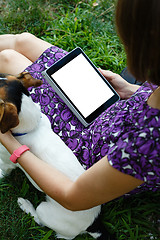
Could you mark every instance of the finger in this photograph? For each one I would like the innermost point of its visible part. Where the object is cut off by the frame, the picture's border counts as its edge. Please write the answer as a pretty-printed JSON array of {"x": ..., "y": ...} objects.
[{"x": 107, "y": 73}]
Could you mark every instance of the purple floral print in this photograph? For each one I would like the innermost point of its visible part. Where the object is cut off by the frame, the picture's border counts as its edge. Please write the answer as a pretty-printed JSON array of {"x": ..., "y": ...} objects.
[{"x": 128, "y": 132}]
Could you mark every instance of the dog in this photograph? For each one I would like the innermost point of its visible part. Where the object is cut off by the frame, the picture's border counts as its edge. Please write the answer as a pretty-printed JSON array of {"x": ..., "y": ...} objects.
[{"x": 31, "y": 127}]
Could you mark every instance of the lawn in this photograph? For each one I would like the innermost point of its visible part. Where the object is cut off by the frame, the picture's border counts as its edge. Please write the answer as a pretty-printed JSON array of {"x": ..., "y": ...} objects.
[{"x": 67, "y": 24}]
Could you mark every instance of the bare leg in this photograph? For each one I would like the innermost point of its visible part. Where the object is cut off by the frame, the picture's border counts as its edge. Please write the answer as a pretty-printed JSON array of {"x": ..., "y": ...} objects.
[
  {"x": 12, "y": 62},
  {"x": 25, "y": 43}
]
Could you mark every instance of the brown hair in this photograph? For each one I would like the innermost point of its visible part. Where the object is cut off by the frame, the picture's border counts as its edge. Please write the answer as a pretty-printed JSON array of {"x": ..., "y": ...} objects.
[{"x": 138, "y": 25}]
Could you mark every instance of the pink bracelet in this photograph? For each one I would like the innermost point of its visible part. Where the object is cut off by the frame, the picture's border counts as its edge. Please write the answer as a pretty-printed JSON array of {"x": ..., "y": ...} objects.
[{"x": 18, "y": 152}]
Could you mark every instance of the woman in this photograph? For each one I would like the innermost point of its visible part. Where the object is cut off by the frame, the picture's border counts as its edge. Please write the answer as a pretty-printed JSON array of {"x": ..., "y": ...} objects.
[{"x": 121, "y": 148}]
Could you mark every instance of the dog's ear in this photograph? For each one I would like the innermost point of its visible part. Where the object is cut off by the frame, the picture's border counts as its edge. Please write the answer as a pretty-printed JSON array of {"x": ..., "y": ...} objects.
[
  {"x": 28, "y": 81},
  {"x": 8, "y": 116},
  {"x": 1, "y": 109}
]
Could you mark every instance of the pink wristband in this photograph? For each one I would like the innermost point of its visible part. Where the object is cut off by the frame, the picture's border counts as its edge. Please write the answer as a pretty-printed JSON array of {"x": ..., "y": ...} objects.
[{"x": 18, "y": 152}]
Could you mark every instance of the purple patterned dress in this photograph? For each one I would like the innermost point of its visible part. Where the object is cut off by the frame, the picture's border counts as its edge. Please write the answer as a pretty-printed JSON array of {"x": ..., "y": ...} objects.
[{"x": 128, "y": 132}]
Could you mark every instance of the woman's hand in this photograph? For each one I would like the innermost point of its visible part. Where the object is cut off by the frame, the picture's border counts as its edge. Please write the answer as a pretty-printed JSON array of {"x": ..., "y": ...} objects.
[
  {"x": 9, "y": 142},
  {"x": 4, "y": 137},
  {"x": 123, "y": 88}
]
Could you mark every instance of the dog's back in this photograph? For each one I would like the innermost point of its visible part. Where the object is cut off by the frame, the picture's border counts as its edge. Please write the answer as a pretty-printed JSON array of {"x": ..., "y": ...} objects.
[{"x": 48, "y": 146}]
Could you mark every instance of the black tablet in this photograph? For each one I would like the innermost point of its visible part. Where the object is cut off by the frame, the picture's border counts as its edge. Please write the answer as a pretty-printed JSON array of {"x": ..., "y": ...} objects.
[{"x": 81, "y": 86}]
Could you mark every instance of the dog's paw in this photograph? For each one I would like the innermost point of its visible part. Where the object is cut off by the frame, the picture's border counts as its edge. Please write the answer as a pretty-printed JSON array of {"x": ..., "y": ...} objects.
[{"x": 27, "y": 207}]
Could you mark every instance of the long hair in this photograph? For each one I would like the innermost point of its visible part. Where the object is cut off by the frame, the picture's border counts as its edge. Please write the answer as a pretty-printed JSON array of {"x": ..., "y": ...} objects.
[{"x": 138, "y": 25}]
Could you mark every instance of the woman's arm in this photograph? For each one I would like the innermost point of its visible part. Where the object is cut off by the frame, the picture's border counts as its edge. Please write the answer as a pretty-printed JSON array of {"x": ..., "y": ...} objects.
[
  {"x": 99, "y": 184},
  {"x": 123, "y": 88}
]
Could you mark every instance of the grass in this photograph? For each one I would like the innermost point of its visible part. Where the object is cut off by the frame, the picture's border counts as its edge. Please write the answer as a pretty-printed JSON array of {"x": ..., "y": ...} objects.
[{"x": 67, "y": 24}]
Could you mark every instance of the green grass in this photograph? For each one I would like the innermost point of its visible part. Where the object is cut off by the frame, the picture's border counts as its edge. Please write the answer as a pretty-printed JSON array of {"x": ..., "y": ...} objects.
[{"x": 68, "y": 24}]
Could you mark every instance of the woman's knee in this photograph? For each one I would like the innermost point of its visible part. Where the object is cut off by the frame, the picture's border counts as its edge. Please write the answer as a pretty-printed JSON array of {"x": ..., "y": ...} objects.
[
  {"x": 7, "y": 56},
  {"x": 12, "y": 62},
  {"x": 22, "y": 40}
]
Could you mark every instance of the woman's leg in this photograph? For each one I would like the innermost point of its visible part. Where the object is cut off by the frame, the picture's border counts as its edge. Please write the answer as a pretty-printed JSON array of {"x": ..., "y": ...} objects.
[
  {"x": 25, "y": 43},
  {"x": 12, "y": 62}
]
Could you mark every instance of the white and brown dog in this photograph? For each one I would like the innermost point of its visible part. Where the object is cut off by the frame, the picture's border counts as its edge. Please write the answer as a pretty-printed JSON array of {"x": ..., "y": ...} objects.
[{"x": 20, "y": 114}]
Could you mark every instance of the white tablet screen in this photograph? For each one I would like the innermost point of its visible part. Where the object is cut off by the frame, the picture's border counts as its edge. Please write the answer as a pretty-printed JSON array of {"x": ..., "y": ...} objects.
[{"x": 83, "y": 85}]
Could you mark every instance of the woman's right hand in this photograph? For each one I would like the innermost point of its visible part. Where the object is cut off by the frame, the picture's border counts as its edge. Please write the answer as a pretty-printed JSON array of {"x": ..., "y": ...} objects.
[{"x": 122, "y": 87}]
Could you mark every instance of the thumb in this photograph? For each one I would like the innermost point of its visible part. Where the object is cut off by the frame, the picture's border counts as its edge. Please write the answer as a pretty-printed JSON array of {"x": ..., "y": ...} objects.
[{"x": 107, "y": 74}]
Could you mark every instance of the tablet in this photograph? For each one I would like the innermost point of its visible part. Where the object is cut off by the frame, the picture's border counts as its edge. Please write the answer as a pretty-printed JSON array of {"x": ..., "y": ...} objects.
[{"x": 81, "y": 86}]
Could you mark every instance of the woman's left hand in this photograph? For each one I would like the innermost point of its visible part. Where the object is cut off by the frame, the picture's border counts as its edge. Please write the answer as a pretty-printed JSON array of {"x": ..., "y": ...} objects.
[
  {"x": 8, "y": 141},
  {"x": 3, "y": 136}
]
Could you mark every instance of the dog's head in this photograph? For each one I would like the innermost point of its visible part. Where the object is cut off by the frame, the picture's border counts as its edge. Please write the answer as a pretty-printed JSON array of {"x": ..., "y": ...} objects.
[{"x": 11, "y": 90}]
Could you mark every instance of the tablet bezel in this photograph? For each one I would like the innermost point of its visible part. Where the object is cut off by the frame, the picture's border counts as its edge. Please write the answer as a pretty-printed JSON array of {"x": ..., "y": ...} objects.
[{"x": 62, "y": 62}]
